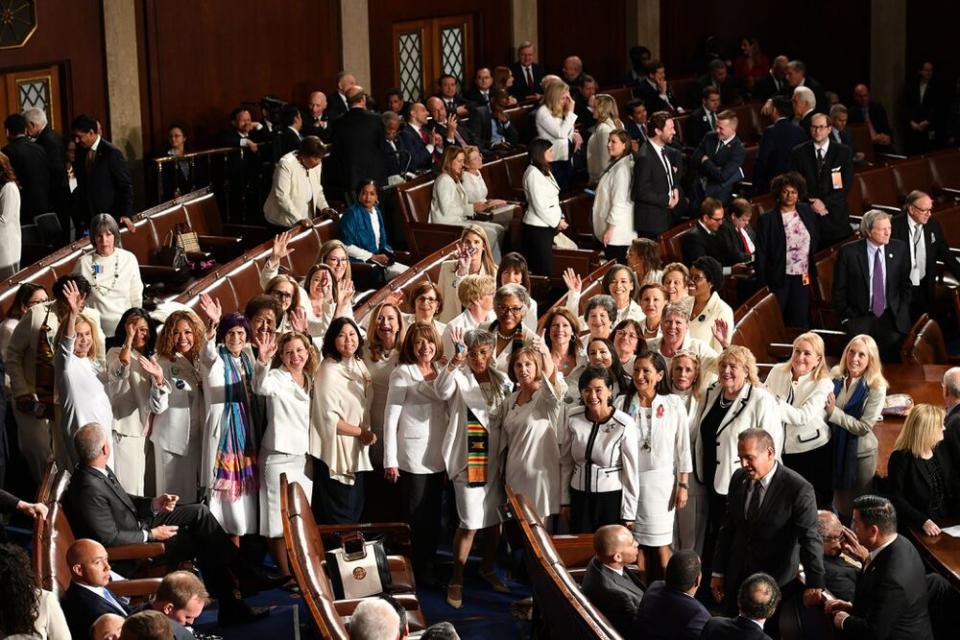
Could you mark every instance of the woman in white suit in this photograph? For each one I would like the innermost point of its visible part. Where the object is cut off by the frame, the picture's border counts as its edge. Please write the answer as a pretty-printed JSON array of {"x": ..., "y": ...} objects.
[
  {"x": 475, "y": 395},
  {"x": 414, "y": 425},
  {"x": 555, "y": 120},
  {"x": 675, "y": 338},
  {"x": 476, "y": 296},
  {"x": 685, "y": 384},
  {"x": 734, "y": 403},
  {"x": 706, "y": 278},
  {"x": 473, "y": 257},
  {"x": 801, "y": 387},
  {"x": 620, "y": 283},
  {"x": 543, "y": 217},
  {"x": 613, "y": 205},
  {"x": 510, "y": 304},
  {"x": 598, "y": 150},
  {"x": 297, "y": 192}
]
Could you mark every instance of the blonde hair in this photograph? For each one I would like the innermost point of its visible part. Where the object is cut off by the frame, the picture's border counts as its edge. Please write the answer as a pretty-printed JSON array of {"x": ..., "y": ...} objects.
[
  {"x": 94, "y": 353},
  {"x": 327, "y": 248},
  {"x": 743, "y": 357},
  {"x": 553, "y": 97},
  {"x": 605, "y": 108},
  {"x": 373, "y": 344},
  {"x": 313, "y": 359},
  {"x": 165, "y": 346},
  {"x": 873, "y": 375},
  {"x": 674, "y": 266},
  {"x": 821, "y": 370},
  {"x": 921, "y": 431},
  {"x": 690, "y": 355},
  {"x": 475, "y": 286},
  {"x": 487, "y": 258},
  {"x": 467, "y": 150}
]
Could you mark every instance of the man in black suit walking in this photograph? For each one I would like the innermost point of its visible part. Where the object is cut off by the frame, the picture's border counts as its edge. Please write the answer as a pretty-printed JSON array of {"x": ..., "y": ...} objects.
[
  {"x": 828, "y": 169},
  {"x": 88, "y": 597},
  {"x": 719, "y": 160},
  {"x": 923, "y": 235},
  {"x": 527, "y": 73},
  {"x": 757, "y": 601},
  {"x": 31, "y": 166},
  {"x": 770, "y": 525},
  {"x": 103, "y": 178},
  {"x": 613, "y": 589},
  {"x": 656, "y": 179},
  {"x": 871, "y": 285},
  {"x": 891, "y": 597},
  {"x": 776, "y": 144},
  {"x": 43, "y": 135},
  {"x": 359, "y": 145},
  {"x": 669, "y": 609}
]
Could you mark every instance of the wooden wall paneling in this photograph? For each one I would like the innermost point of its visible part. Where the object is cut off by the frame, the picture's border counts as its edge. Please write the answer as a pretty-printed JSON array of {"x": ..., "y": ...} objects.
[
  {"x": 933, "y": 36},
  {"x": 597, "y": 33}
]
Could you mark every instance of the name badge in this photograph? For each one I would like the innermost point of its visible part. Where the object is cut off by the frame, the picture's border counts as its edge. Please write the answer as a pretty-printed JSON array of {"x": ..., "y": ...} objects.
[{"x": 836, "y": 178}]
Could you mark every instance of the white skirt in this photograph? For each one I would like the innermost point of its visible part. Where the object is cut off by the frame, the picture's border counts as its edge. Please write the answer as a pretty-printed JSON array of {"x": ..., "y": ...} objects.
[
  {"x": 478, "y": 507},
  {"x": 655, "y": 508},
  {"x": 237, "y": 517},
  {"x": 177, "y": 474},
  {"x": 691, "y": 526},
  {"x": 272, "y": 464}
]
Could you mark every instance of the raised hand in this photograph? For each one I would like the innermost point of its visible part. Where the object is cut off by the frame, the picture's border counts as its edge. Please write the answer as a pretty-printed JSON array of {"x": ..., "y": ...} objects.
[
  {"x": 266, "y": 347},
  {"x": 830, "y": 403},
  {"x": 211, "y": 308},
  {"x": 346, "y": 292},
  {"x": 280, "y": 249},
  {"x": 456, "y": 337},
  {"x": 298, "y": 319},
  {"x": 73, "y": 297},
  {"x": 463, "y": 259},
  {"x": 572, "y": 280},
  {"x": 720, "y": 331},
  {"x": 395, "y": 298},
  {"x": 152, "y": 368}
]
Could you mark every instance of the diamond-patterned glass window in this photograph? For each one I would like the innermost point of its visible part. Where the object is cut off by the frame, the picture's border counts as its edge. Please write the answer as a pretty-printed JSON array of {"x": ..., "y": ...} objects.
[
  {"x": 451, "y": 51},
  {"x": 411, "y": 66},
  {"x": 34, "y": 92}
]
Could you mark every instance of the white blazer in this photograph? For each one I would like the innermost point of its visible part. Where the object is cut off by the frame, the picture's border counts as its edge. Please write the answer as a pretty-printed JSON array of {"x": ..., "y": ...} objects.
[
  {"x": 543, "y": 199},
  {"x": 10, "y": 239},
  {"x": 414, "y": 424},
  {"x": 597, "y": 155},
  {"x": 177, "y": 407},
  {"x": 475, "y": 187},
  {"x": 293, "y": 188},
  {"x": 129, "y": 389},
  {"x": 613, "y": 203},
  {"x": 558, "y": 131},
  {"x": 804, "y": 418},
  {"x": 448, "y": 204},
  {"x": 448, "y": 281},
  {"x": 753, "y": 407},
  {"x": 288, "y": 410},
  {"x": 701, "y": 325}
]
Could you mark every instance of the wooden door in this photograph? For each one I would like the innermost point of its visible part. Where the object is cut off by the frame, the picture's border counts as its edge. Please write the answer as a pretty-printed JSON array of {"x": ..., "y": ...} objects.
[
  {"x": 25, "y": 89},
  {"x": 423, "y": 50}
]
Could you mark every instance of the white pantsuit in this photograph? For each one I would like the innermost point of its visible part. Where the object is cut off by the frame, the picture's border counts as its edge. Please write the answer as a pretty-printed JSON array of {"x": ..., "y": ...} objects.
[
  {"x": 177, "y": 430},
  {"x": 415, "y": 421},
  {"x": 613, "y": 204},
  {"x": 450, "y": 206},
  {"x": 129, "y": 389}
]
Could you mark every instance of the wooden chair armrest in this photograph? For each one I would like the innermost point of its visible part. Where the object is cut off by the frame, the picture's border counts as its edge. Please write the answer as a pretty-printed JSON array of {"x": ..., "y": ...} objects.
[
  {"x": 219, "y": 241},
  {"x": 885, "y": 207},
  {"x": 134, "y": 588},
  {"x": 950, "y": 191},
  {"x": 136, "y": 551},
  {"x": 382, "y": 527},
  {"x": 153, "y": 273}
]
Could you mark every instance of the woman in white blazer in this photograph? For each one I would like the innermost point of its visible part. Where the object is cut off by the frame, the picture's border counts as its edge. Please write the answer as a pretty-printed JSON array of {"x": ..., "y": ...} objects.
[
  {"x": 675, "y": 338},
  {"x": 414, "y": 424},
  {"x": 543, "y": 217},
  {"x": 476, "y": 295},
  {"x": 613, "y": 204},
  {"x": 555, "y": 120},
  {"x": 473, "y": 257},
  {"x": 709, "y": 313},
  {"x": 284, "y": 376},
  {"x": 685, "y": 384},
  {"x": 801, "y": 387},
  {"x": 510, "y": 304},
  {"x": 598, "y": 151},
  {"x": 381, "y": 352},
  {"x": 514, "y": 269},
  {"x": 10, "y": 243},
  {"x": 176, "y": 401},
  {"x": 734, "y": 403},
  {"x": 449, "y": 204},
  {"x": 426, "y": 300},
  {"x": 475, "y": 396},
  {"x": 297, "y": 192}
]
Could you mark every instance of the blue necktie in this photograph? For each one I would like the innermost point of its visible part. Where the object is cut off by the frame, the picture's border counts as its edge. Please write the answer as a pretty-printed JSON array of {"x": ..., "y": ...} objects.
[{"x": 109, "y": 597}]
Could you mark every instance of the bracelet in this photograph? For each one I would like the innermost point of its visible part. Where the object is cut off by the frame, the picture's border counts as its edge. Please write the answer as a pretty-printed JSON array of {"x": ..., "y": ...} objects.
[{"x": 683, "y": 485}]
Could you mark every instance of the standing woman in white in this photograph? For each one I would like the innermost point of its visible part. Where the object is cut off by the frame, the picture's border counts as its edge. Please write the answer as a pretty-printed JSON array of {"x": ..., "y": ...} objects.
[
  {"x": 228, "y": 470},
  {"x": 543, "y": 217},
  {"x": 415, "y": 422},
  {"x": 10, "y": 244},
  {"x": 598, "y": 149},
  {"x": 473, "y": 257},
  {"x": 284, "y": 375},
  {"x": 113, "y": 273},
  {"x": 381, "y": 351},
  {"x": 476, "y": 297},
  {"x": 555, "y": 121},
  {"x": 472, "y": 451},
  {"x": 613, "y": 205},
  {"x": 176, "y": 401}
]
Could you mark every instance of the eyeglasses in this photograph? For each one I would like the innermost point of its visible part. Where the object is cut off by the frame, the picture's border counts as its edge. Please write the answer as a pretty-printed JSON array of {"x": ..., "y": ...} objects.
[
  {"x": 919, "y": 210},
  {"x": 698, "y": 278},
  {"x": 623, "y": 333},
  {"x": 283, "y": 295},
  {"x": 505, "y": 309},
  {"x": 819, "y": 127},
  {"x": 427, "y": 300},
  {"x": 337, "y": 260}
]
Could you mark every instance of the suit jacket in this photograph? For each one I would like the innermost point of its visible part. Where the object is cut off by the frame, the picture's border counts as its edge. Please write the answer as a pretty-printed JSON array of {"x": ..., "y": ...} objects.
[
  {"x": 668, "y": 614},
  {"x": 107, "y": 187},
  {"x": 636, "y": 133},
  {"x": 951, "y": 439},
  {"x": 698, "y": 242},
  {"x": 729, "y": 95},
  {"x": 358, "y": 147},
  {"x": 722, "y": 168},
  {"x": 773, "y": 157},
  {"x": 936, "y": 247},
  {"x": 336, "y": 106},
  {"x": 840, "y": 577},
  {"x": 699, "y": 126},
  {"x": 410, "y": 140},
  {"x": 738, "y": 628},
  {"x": 822, "y": 106},
  {"x": 81, "y": 607},
  {"x": 617, "y": 597},
  {"x": 834, "y": 226},
  {"x": 804, "y": 122},
  {"x": 651, "y": 189},
  {"x": 57, "y": 159},
  {"x": 481, "y": 128},
  {"x": 878, "y": 116},
  {"x": 32, "y": 168},
  {"x": 851, "y": 284},
  {"x": 101, "y": 510},
  {"x": 841, "y": 137},
  {"x": 731, "y": 246},
  {"x": 651, "y": 98},
  {"x": 766, "y": 87},
  {"x": 771, "y": 257},
  {"x": 320, "y": 128},
  {"x": 520, "y": 88},
  {"x": 891, "y": 597},
  {"x": 289, "y": 141},
  {"x": 476, "y": 98},
  {"x": 913, "y": 491},
  {"x": 784, "y": 533}
]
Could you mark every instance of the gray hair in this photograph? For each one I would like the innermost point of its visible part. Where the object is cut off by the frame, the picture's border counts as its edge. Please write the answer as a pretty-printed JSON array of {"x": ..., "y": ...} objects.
[
  {"x": 837, "y": 108},
  {"x": 871, "y": 218},
  {"x": 388, "y": 117},
  {"x": 478, "y": 338},
  {"x": 912, "y": 198},
  {"x": 806, "y": 95},
  {"x": 36, "y": 115},
  {"x": 951, "y": 381},
  {"x": 440, "y": 631},
  {"x": 374, "y": 619},
  {"x": 513, "y": 289},
  {"x": 674, "y": 310},
  {"x": 104, "y": 222},
  {"x": 605, "y": 301},
  {"x": 89, "y": 441}
]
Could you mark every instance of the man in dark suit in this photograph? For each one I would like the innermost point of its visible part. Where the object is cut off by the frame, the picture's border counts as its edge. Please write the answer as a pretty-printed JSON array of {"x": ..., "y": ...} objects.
[
  {"x": 718, "y": 77},
  {"x": 608, "y": 584},
  {"x": 719, "y": 160},
  {"x": 656, "y": 179},
  {"x": 181, "y": 597},
  {"x": 804, "y": 104},
  {"x": 358, "y": 145},
  {"x": 396, "y": 159},
  {"x": 292, "y": 123},
  {"x": 796, "y": 76},
  {"x": 103, "y": 178},
  {"x": 770, "y": 525},
  {"x": 98, "y": 508},
  {"x": 839, "y": 117},
  {"x": 635, "y": 122},
  {"x": 31, "y": 166},
  {"x": 88, "y": 597},
  {"x": 52, "y": 143},
  {"x": 583, "y": 96},
  {"x": 654, "y": 90},
  {"x": 423, "y": 144},
  {"x": 874, "y": 116},
  {"x": 479, "y": 93},
  {"x": 869, "y": 302},
  {"x": 316, "y": 120},
  {"x": 828, "y": 170},
  {"x": 490, "y": 126},
  {"x": 891, "y": 596},
  {"x": 757, "y": 602},
  {"x": 449, "y": 93},
  {"x": 776, "y": 144},
  {"x": 338, "y": 104},
  {"x": 669, "y": 609},
  {"x": 924, "y": 106},
  {"x": 923, "y": 235},
  {"x": 840, "y": 570},
  {"x": 527, "y": 73},
  {"x": 244, "y": 170},
  {"x": 951, "y": 423},
  {"x": 774, "y": 82},
  {"x": 447, "y": 124},
  {"x": 703, "y": 120},
  {"x": 703, "y": 238},
  {"x": 737, "y": 237}
]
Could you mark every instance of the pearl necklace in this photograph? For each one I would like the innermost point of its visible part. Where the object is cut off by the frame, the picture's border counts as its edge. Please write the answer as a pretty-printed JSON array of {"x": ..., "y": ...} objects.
[{"x": 96, "y": 268}]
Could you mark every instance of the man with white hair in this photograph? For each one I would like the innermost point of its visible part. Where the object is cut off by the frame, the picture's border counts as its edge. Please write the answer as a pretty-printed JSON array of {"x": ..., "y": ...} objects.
[
  {"x": 804, "y": 102},
  {"x": 315, "y": 124},
  {"x": 338, "y": 104},
  {"x": 39, "y": 129},
  {"x": 375, "y": 619}
]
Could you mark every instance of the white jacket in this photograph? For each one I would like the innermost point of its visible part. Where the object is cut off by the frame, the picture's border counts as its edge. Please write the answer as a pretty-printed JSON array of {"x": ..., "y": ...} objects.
[
  {"x": 804, "y": 418},
  {"x": 543, "y": 199},
  {"x": 597, "y": 155},
  {"x": 559, "y": 131},
  {"x": 415, "y": 421},
  {"x": 177, "y": 407},
  {"x": 701, "y": 325},
  {"x": 293, "y": 188},
  {"x": 449, "y": 202},
  {"x": 613, "y": 203},
  {"x": 288, "y": 410}
]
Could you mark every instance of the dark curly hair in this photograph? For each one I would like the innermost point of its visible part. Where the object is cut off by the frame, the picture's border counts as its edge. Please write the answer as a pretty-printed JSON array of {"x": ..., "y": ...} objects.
[
  {"x": 19, "y": 597},
  {"x": 137, "y": 312}
]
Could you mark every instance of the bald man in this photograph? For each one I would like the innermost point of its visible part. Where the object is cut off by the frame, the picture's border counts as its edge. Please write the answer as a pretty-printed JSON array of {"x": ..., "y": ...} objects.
[
  {"x": 840, "y": 570},
  {"x": 88, "y": 597},
  {"x": 607, "y": 583},
  {"x": 315, "y": 121},
  {"x": 107, "y": 627},
  {"x": 338, "y": 104}
]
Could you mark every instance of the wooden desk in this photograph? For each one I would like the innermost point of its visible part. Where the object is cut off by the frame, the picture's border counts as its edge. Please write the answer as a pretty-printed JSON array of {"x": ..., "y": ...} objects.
[
  {"x": 942, "y": 552},
  {"x": 920, "y": 382}
]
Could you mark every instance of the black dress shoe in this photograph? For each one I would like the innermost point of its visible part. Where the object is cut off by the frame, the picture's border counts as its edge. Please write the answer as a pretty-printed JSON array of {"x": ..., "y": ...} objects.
[
  {"x": 234, "y": 612},
  {"x": 253, "y": 579}
]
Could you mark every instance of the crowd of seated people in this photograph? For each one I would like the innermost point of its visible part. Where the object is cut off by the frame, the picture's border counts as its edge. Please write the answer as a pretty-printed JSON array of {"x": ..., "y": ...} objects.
[{"x": 629, "y": 415}]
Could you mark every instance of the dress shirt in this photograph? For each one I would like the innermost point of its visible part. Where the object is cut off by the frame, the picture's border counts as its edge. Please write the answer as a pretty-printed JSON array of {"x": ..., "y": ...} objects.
[
  {"x": 918, "y": 252},
  {"x": 666, "y": 166},
  {"x": 764, "y": 484},
  {"x": 617, "y": 571},
  {"x": 873, "y": 554},
  {"x": 872, "y": 249},
  {"x": 745, "y": 240},
  {"x": 105, "y": 594},
  {"x": 419, "y": 131},
  {"x": 822, "y": 147}
]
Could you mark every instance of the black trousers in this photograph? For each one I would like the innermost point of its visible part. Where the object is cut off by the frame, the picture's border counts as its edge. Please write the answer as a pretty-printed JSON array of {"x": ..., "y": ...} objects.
[
  {"x": 538, "y": 247},
  {"x": 420, "y": 504},
  {"x": 590, "y": 511},
  {"x": 200, "y": 536},
  {"x": 816, "y": 466},
  {"x": 562, "y": 171},
  {"x": 616, "y": 252},
  {"x": 883, "y": 330},
  {"x": 334, "y": 502},
  {"x": 794, "y": 299}
]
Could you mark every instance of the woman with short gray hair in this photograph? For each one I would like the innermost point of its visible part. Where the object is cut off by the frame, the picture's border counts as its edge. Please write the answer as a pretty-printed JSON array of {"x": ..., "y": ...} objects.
[
  {"x": 114, "y": 274},
  {"x": 510, "y": 303}
]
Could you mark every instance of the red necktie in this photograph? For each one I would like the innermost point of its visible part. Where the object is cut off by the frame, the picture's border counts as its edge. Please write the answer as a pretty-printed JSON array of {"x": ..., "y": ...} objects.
[
  {"x": 529, "y": 73},
  {"x": 743, "y": 239},
  {"x": 424, "y": 136}
]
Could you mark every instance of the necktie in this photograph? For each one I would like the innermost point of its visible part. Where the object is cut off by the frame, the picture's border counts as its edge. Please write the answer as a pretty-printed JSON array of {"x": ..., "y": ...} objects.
[
  {"x": 743, "y": 239},
  {"x": 753, "y": 509},
  {"x": 88, "y": 161},
  {"x": 879, "y": 295},
  {"x": 919, "y": 269},
  {"x": 666, "y": 167},
  {"x": 529, "y": 75},
  {"x": 643, "y": 129},
  {"x": 819, "y": 160},
  {"x": 713, "y": 120},
  {"x": 109, "y": 597}
]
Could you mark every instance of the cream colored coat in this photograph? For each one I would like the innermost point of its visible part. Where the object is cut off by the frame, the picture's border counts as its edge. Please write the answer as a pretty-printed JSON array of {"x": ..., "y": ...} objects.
[{"x": 344, "y": 391}]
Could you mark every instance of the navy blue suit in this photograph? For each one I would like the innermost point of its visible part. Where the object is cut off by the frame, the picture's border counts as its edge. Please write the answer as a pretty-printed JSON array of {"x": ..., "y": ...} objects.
[
  {"x": 81, "y": 607},
  {"x": 722, "y": 168},
  {"x": 410, "y": 140},
  {"x": 668, "y": 614},
  {"x": 773, "y": 157},
  {"x": 520, "y": 88},
  {"x": 738, "y": 628}
]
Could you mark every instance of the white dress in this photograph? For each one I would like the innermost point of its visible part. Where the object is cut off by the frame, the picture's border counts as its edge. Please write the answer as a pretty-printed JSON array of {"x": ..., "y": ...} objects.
[
  {"x": 81, "y": 394},
  {"x": 177, "y": 430},
  {"x": 115, "y": 285},
  {"x": 664, "y": 452},
  {"x": 10, "y": 239},
  {"x": 530, "y": 437},
  {"x": 237, "y": 515},
  {"x": 129, "y": 389}
]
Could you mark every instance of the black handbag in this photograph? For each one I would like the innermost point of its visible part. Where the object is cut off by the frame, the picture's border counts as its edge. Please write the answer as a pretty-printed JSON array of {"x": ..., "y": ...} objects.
[
  {"x": 173, "y": 255},
  {"x": 358, "y": 568}
]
